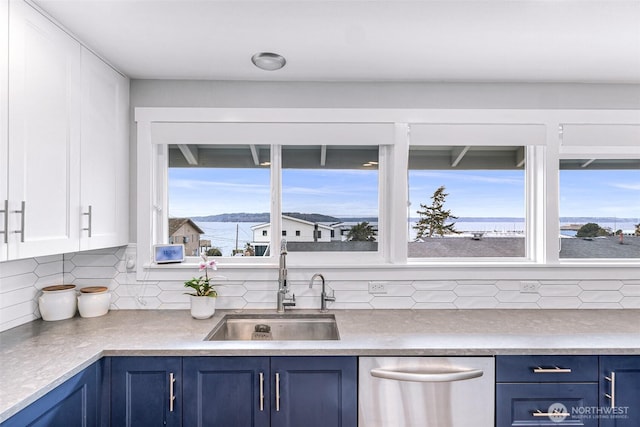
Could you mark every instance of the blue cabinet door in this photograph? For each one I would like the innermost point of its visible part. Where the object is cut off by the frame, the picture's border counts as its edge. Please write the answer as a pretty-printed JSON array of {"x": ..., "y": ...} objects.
[
  {"x": 314, "y": 392},
  {"x": 619, "y": 391},
  {"x": 226, "y": 391},
  {"x": 72, "y": 404},
  {"x": 141, "y": 391}
]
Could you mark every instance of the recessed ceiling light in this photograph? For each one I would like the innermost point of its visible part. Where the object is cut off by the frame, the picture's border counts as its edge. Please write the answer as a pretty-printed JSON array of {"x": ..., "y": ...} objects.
[{"x": 268, "y": 61}]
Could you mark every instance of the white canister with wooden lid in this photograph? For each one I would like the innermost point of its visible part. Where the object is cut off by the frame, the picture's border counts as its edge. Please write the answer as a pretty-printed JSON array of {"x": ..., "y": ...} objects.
[
  {"x": 57, "y": 302},
  {"x": 94, "y": 301}
]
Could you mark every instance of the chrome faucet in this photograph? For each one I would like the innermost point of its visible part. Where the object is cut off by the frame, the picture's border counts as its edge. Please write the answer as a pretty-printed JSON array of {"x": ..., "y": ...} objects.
[
  {"x": 283, "y": 290},
  {"x": 323, "y": 295}
]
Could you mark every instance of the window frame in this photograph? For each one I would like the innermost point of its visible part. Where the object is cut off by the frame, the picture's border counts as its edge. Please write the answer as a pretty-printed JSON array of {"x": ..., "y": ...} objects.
[{"x": 392, "y": 255}]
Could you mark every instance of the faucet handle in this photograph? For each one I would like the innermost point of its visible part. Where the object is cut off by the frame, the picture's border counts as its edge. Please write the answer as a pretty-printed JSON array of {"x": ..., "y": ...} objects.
[{"x": 331, "y": 297}]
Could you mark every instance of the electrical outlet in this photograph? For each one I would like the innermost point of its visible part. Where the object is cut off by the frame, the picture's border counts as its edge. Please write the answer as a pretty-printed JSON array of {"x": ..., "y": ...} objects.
[
  {"x": 529, "y": 287},
  {"x": 377, "y": 287}
]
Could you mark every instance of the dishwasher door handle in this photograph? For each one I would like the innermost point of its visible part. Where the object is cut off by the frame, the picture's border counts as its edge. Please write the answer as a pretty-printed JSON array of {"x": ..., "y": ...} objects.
[{"x": 426, "y": 376}]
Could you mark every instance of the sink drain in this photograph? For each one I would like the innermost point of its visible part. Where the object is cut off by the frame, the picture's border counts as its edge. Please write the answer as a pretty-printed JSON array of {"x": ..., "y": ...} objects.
[{"x": 261, "y": 332}]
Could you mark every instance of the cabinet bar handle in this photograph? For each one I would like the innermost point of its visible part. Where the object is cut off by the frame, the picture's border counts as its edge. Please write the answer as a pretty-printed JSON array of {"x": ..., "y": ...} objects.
[
  {"x": 539, "y": 413},
  {"x": 22, "y": 214},
  {"x": 277, "y": 392},
  {"x": 5, "y": 212},
  {"x": 554, "y": 370},
  {"x": 444, "y": 376},
  {"x": 89, "y": 213},
  {"x": 261, "y": 391},
  {"x": 612, "y": 396},
  {"x": 172, "y": 397}
]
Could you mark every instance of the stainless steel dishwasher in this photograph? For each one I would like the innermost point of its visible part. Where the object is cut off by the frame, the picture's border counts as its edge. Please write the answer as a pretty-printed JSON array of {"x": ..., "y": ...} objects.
[{"x": 426, "y": 392}]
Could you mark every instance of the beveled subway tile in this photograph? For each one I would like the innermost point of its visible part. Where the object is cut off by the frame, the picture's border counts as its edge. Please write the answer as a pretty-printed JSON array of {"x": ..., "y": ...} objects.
[
  {"x": 600, "y": 305},
  {"x": 173, "y": 297},
  {"x": 517, "y": 297},
  {"x": 559, "y": 290},
  {"x": 137, "y": 291},
  {"x": 630, "y": 290},
  {"x": 17, "y": 267},
  {"x": 475, "y": 302},
  {"x": 559, "y": 302},
  {"x": 392, "y": 302},
  {"x": 476, "y": 290},
  {"x": 48, "y": 269},
  {"x": 434, "y": 296},
  {"x": 434, "y": 306},
  {"x": 434, "y": 285},
  {"x": 600, "y": 285},
  {"x": 18, "y": 296},
  {"x": 630, "y": 302},
  {"x": 20, "y": 281},
  {"x": 353, "y": 296},
  {"x": 94, "y": 272},
  {"x": 600, "y": 296}
]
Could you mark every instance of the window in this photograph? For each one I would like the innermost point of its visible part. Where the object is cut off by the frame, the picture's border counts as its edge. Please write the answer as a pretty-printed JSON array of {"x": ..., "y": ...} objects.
[
  {"x": 225, "y": 192},
  {"x": 329, "y": 188},
  {"x": 284, "y": 233},
  {"x": 466, "y": 202},
  {"x": 599, "y": 208}
]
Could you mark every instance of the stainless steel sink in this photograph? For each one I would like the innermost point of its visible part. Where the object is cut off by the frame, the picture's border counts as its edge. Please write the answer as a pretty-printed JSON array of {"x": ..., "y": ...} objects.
[{"x": 275, "y": 327}]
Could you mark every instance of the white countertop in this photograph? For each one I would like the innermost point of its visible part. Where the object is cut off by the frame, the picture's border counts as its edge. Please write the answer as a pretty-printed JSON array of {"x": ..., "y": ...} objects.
[{"x": 38, "y": 356}]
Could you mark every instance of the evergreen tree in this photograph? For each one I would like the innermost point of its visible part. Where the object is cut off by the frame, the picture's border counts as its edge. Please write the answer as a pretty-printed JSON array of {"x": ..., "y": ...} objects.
[
  {"x": 433, "y": 218},
  {"x": 362, "y": 232}
]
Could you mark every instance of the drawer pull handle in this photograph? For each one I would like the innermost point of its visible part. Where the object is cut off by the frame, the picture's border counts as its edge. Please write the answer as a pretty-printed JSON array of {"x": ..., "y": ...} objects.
[
  {"x": 612, "y": 396},
  {"x": 172, "y": 396},
  {"x": 554, "y": 370},
  {"x": 539, "y": 413},
  {"x": 277, "y": 392},
  {"x": 261, "y": 391}
]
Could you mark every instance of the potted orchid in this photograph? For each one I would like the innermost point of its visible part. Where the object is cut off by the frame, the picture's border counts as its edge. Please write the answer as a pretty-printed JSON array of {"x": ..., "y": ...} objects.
[{"x": 203, "y": 301}]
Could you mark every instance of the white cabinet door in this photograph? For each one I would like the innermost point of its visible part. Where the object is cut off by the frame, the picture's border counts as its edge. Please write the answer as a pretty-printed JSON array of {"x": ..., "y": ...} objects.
[
  {"x": 44, "y": 135},
  {"x": 104, "y": 191},
  {"x": 4, "y": 125}
]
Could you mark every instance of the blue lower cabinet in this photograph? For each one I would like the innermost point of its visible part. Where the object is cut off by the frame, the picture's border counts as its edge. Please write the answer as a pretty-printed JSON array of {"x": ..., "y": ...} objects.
[
  {"x": 270, "y": 391},
  {"x": 226, "y": 391},
  {"x": 548, "y": 404},
  {"x": 619, "y": 391},
  {"x": 75, "y": 403},
  {"x": 145, "y": 391},
  {"x": 314, "y": 391}
]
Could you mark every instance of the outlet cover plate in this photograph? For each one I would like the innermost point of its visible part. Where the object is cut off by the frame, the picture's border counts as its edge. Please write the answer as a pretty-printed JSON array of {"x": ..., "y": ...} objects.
[{"x": 377, "y": 287}]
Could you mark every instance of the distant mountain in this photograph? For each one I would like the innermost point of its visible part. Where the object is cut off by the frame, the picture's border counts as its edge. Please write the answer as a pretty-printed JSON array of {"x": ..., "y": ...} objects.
[
  {"x": 234, "y": 217},
  {"x": 264, "y": 217}
]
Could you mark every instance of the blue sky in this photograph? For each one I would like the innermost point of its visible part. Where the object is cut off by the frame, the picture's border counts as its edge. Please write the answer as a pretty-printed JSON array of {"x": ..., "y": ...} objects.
[{"x": 590, "y": 193}]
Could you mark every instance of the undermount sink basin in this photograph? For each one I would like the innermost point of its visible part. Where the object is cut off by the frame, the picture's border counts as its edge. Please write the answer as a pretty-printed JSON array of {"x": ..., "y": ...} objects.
[{"x": 276, "y": 327}]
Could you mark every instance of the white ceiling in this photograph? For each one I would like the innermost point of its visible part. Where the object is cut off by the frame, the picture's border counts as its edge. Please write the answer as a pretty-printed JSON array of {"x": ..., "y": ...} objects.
[{"x": 594, "y": 41}]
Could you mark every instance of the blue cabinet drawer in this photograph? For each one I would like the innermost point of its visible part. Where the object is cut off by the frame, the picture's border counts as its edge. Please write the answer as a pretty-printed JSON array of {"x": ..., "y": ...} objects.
[
  {"x": 546, "y": 405},
  {"x": 546, "y": 369}
]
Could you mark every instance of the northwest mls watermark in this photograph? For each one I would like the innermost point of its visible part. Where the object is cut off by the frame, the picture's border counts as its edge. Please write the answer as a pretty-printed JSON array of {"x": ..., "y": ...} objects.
[{"x": 558, "y": 412}]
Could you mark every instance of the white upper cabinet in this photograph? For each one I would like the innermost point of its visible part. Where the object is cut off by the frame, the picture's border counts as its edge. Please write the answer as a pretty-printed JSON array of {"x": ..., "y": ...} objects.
[
  {"x": 63, "y": 140},
  {"x": 104, "y": 155},
  {"x": 44, "y": 135},
  {"x": 4, "y": 126}
]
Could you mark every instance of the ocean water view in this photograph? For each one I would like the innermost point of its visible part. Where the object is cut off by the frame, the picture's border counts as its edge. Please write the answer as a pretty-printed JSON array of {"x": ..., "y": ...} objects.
[{"x": 223, "y": 234}]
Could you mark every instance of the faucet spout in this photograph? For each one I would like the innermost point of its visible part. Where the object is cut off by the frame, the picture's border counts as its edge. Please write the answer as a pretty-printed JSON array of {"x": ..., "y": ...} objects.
[
  {"x": 283, "y": 289},
  {"x": 323, "y": 295}
]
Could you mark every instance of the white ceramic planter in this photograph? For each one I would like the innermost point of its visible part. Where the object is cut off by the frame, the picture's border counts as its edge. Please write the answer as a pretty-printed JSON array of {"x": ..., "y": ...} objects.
[
  {"x": 202, "y": 307},
  {"x": 57, "y": 302},
  {"x": 94, "y": 301}
]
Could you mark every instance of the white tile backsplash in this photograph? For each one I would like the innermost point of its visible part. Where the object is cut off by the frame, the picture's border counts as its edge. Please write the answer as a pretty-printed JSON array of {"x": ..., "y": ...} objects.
[{"x": 21, "y": 281}]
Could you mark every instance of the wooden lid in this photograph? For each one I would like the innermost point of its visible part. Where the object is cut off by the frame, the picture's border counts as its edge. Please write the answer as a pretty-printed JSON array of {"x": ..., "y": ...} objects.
[
  {"x": 58, "y": 288},
  {"x": 94, "y": 289}
]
